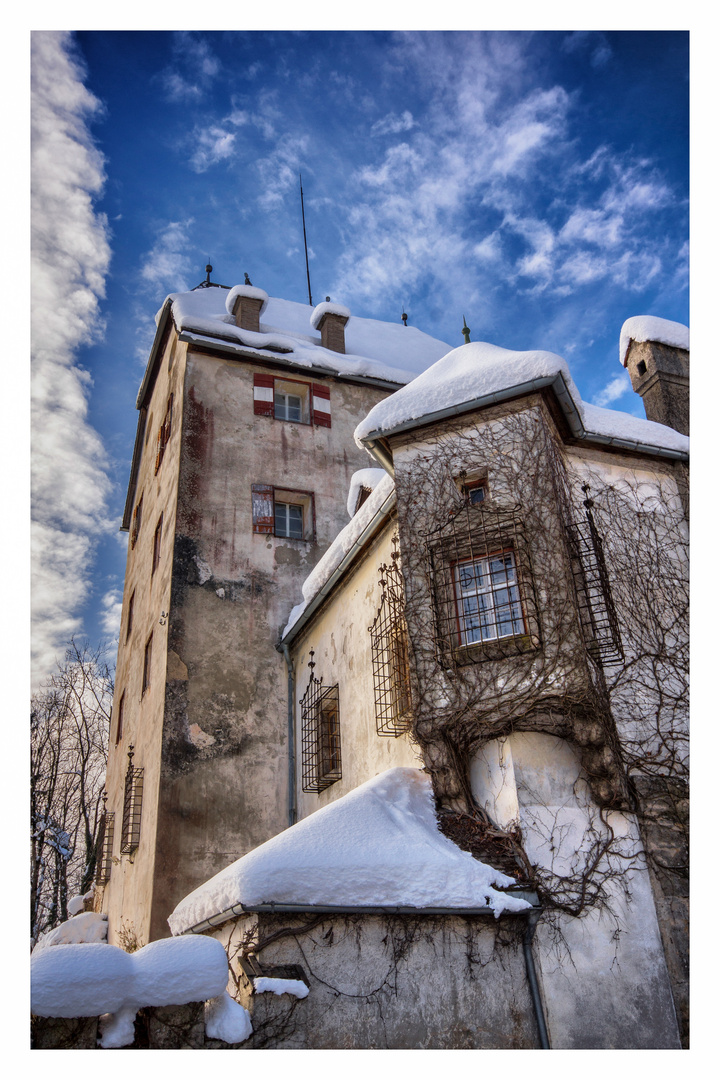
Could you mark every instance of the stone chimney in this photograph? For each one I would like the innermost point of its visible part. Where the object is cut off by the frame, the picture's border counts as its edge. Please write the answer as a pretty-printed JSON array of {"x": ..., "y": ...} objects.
[
  {"x": 657, "y": 357},
  {"x": 330, "y": 320},
  {"x": 245, "y": 303}
]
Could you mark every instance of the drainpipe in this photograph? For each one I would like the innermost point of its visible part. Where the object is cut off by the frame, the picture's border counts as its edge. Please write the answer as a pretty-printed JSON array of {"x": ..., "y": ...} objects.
[
  {"x": 292, "y": 808},
  {"x": 532, "y": 921}
]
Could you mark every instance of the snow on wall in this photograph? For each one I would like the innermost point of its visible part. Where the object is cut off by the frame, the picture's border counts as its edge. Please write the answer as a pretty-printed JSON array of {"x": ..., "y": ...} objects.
[
  {"x": 363, "y": 478},
  {"x": 479, "y": 370},
  {"x": 373, "y": 348},
  {"x": 650, "y": 328},
  {"x": 91, "y": 979},
  {"x": 377, "y": 846},
  {"x": 295, "y": 987},
  {"x": 85, "y": 928}
]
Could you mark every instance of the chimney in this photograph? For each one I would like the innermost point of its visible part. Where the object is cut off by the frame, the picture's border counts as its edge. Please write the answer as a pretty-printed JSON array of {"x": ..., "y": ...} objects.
[
  {"x": 656, "y": 353},
  {"x": 330, "y": 320},
  {"x": 246, "y": 303}
]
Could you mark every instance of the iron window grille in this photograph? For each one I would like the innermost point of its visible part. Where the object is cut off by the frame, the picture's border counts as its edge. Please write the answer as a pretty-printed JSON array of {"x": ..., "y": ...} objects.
[
  {"x": 598, "y": 617},
  {"x": 390, "y": 653},
  {"x": 482, "y": 583},
  {"x": 106, "y": 835},
  {"x": 132, "y": 807},
  {"x": 320, "y": 720}
]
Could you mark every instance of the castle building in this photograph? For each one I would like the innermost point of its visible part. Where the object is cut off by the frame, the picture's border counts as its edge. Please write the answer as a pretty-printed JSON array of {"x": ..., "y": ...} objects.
[
  {"x": 431, "y": 762},
  {"x": 243, "y": 457}
]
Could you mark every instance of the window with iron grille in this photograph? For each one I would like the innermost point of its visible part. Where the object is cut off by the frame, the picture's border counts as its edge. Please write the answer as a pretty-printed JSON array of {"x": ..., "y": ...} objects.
[
  {"x": 483, "y": 586},
  {"x": 106, "y": 835},
  {"x": 132, "y": 807},
  {"x": 598, "y": 617},
  {"x": 164, "y": 434},
  {"x": 320, "y": 720},
  {"x": 390, "y": 653}
]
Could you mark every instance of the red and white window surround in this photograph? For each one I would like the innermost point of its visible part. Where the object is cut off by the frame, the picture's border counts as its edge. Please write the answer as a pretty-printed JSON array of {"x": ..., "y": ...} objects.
[{"x": 291, "y": 399}]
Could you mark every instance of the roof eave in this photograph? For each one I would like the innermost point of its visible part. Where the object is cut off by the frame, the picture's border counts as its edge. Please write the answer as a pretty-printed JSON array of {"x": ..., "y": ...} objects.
[{"x": 377, "y": 441}]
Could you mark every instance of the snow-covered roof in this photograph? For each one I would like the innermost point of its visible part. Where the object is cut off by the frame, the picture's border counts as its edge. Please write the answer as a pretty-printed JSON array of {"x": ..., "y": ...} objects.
[
  {"x": 650, "y": 328},
  {"x": 479, "y": 374},
  {"x": 367, "y": 479},
  {"x": 373, "y": 349},
  {"x": 86, "y": 928},
  {"x": 341, "y": 549},
  {"x": 379, "y": 846}
]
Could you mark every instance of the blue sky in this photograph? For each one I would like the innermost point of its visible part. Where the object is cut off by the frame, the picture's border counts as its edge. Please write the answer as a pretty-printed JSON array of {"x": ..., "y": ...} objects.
[{"x": 535, "y": 183}]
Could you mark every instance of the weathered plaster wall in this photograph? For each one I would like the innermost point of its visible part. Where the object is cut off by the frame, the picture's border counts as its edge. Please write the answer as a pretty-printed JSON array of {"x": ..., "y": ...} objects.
[
  {"x": 224, "y": 785},
  {"x": 340, "y": 639},
  {"x": 403, "y": 983},
  {"x": 603, "y": 975},
  {"x": 128, "y": 894}
]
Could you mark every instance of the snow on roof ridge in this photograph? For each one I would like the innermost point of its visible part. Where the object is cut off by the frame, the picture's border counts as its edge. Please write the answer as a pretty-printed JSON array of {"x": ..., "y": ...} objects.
[
  {"x": 481, "y": 370},
  {"x": 652, "y": 328},
  {"x": 377, "y": 846}
]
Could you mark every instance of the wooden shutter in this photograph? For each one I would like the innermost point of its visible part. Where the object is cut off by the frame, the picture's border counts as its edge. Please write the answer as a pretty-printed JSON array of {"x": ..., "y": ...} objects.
[
  {"x": 264, "y": 394},
  {"x": 263, "y": 508},
  {"x": 321, "y": 405}
]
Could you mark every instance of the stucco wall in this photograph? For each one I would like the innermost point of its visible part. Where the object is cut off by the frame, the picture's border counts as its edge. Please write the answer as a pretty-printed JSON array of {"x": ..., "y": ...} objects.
[
  {"x": 128, "y": 894},
  {"x": 395, "y": 982},
  {"x": 224, "y": 784},
  {"x": 340, "y": 639}
]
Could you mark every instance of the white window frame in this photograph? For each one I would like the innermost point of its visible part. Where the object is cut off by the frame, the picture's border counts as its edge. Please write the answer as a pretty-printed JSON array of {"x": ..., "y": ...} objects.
[{"x": 492, "y": 593}]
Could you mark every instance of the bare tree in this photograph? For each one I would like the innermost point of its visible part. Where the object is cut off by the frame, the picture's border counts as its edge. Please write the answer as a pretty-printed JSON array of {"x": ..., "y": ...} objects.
[{"x": 69, "y": 724}]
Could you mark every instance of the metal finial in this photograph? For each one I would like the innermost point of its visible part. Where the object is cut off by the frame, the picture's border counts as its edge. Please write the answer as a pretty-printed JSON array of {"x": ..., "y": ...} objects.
[
  {"x": 208, "y": 271},
  {"x": 247, "y": 280},
  {"x": 311, "y": 662},
  {"x": 466, "y": 331},
  {"x": 131, "y": 752},
  {"x": 404, "y": 318},
  {"x": 327, "y": 299}
]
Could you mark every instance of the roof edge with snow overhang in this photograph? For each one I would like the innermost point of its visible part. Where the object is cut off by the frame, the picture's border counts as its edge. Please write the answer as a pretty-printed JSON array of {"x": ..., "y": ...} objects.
[{"x": 376, "y": 441}]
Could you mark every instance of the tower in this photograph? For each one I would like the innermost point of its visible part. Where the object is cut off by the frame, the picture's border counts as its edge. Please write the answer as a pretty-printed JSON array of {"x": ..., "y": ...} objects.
[{"x": 241, "y": 467}]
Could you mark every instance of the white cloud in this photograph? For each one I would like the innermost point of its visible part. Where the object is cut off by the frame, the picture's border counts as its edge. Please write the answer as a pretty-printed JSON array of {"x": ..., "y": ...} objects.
[
  {"x": 167, "y": 266},
  {"x": 279, "y": 171},
  {"x": 110, "y": 615},
  {"x": 615, "y": 389},
  {"x": 192, "y": 53},
  {"x": 392, "y": 124},
  {"x": 211, "y": 145},
  {"x": 70, "y": 259}
]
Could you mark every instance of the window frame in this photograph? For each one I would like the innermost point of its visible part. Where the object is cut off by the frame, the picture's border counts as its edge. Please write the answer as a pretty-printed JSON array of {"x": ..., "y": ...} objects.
[
  {"x": 315, "y": 399},
  {"x": 136, "y": 522},
  {"x": 265, "y": 497},
  {"x": 120, "y": 719},
  {"x": 147, "y": 665},
  {"x": 157, "y": 545},
  {"x": 489, "y": 591}
]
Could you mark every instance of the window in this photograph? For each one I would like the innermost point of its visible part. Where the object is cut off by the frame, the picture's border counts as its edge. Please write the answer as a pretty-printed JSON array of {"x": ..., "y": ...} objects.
[
  {"x": 120, "y": 717},
  {"x": 147, "y": 661},
  {"x": 475, "y": 492},
  {"x": 164, "y": 434},
  {"x": 130, "y": 611},
  {"x": 320, "y": 719},
  {"x": 483, "y": 585},
  {"x": 390, "y": 653},
  {"x": 284, "y": 513},
  {"x": 132, "y": 807},
  {"x": 292, "y": 400},
  {"x": 157, "y": 543},
  {"x": 136, "y": 522},
  {"x": 488, "y": 599},
  {"x": 106, "y": 835}
]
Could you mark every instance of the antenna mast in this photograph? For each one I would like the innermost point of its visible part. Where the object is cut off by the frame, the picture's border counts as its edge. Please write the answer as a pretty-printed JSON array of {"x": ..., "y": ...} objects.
[{"x": 307, "y": 264}]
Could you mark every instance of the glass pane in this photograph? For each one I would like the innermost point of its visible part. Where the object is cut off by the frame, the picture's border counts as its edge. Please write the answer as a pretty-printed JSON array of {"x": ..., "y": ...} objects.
[
  {"x": 502, "y": 569},
  {"x": 295, "y": 522},
  {"x": 293, "y": 407}
]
